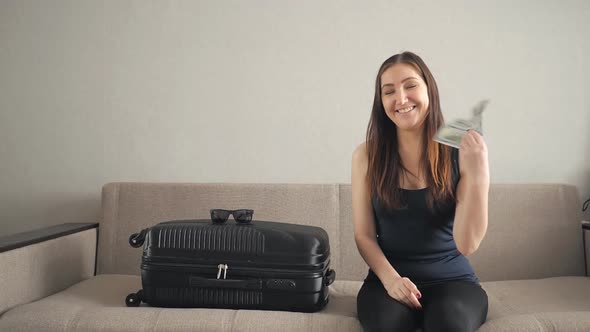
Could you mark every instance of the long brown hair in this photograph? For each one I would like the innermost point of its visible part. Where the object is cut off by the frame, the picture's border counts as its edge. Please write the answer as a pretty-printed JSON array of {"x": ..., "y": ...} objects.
[{"x": 385, "y": 167}]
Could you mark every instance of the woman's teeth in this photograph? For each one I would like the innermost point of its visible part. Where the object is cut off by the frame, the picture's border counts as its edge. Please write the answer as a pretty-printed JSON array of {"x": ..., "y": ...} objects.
[{"x": 406, "y": 110}]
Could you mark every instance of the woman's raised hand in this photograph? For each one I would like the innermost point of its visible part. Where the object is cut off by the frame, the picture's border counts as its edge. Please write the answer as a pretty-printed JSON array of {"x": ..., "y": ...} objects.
[{"x": 473, "y": 158}]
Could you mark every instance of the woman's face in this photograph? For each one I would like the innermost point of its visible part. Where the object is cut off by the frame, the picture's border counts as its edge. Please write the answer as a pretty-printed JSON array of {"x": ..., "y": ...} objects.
[{"x": 404, "y": 96}]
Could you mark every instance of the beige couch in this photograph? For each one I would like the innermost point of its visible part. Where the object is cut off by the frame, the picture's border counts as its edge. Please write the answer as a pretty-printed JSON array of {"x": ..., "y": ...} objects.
[{"x": 531, "y": 261}]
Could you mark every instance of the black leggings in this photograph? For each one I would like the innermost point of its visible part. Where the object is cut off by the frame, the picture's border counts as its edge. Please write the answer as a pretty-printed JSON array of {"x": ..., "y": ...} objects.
[{"x": 451, "y": 306}]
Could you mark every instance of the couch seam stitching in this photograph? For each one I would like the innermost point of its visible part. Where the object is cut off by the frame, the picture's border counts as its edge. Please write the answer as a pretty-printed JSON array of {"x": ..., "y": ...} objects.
[
  {"x": 233, "y": 321},
  {"x": 74, "y": 319},
  {"x": 156, "y": 320},
  {"x": 539, "y": 324}
]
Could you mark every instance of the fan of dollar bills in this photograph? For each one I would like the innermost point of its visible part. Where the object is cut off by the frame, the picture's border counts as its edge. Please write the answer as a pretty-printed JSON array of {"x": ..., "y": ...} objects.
[{"x": 452, "y": 133}]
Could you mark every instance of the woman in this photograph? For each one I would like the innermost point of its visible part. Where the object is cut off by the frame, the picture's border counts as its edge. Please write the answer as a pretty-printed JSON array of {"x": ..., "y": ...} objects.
[{"x": 419, "y": 207}]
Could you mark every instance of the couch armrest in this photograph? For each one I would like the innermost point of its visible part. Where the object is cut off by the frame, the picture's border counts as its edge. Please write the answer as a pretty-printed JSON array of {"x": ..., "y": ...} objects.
[{"x": 39, "y": 263}]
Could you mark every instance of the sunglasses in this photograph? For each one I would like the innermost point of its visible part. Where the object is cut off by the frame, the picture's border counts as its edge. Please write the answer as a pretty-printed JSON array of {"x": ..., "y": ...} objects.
[{"x": 242, "y": 216}]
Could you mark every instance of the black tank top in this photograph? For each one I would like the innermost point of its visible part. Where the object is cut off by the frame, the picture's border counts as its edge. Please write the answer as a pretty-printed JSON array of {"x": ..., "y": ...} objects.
[{"x": 419, "y": 242}]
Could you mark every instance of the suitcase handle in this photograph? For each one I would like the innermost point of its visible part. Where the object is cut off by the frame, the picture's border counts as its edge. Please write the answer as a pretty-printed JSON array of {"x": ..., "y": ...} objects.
[
  {"x": 254, "y": 284},
  {"x": 330, "y": 277}
]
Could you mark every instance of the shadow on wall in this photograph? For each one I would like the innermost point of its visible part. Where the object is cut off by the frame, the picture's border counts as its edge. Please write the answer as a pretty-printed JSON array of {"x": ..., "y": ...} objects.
[
  {"x": 585, "y": 185},
  {"x": 581, "y": 175},
  {"x": 76, "y": 209},
  {"x": 585, "y": 193},
  {"x": 50, "y": 209}
]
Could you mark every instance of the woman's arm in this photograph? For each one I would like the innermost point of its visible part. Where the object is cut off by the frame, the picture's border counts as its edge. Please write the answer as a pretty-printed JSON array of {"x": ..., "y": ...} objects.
[
  {"x": 365, "y": 234},
  {"x": 471, "y": 213}
]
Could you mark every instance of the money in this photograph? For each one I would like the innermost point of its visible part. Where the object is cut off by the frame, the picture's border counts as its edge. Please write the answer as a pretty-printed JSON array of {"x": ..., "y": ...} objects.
[{"x": 452, "y": 133}]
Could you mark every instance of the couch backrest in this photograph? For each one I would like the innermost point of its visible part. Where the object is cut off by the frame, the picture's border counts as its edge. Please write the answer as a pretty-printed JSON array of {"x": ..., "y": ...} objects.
[
  {"x": 534, "y": 230},
  {"x": 130, "y": 207}
]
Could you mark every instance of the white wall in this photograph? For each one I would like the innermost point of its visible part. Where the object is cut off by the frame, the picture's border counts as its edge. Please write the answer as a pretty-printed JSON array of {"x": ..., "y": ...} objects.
[{"x": 268, "y": 91}]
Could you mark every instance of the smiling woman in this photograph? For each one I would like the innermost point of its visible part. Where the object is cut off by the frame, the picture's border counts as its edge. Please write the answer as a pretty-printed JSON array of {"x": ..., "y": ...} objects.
[
  {"x": 405, "y": 116},
  {"x": 406, "y": 101},
  {"x": 419, "y": 207}
]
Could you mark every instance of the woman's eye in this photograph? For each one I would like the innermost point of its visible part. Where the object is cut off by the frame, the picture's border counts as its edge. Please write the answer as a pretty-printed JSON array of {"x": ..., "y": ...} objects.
[
  {"x": 389, "y": 92},
  {"x": 411, "y": 86}
]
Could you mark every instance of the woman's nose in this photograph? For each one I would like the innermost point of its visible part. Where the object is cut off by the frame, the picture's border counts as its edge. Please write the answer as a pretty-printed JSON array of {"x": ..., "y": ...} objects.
[{"x": 401, "y": 98}]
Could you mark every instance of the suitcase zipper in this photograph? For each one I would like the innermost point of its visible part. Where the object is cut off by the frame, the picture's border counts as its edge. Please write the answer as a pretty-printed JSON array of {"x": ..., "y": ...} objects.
[
  {"x": 223, "y": 268},
  {"x": 157, "y": 260}
]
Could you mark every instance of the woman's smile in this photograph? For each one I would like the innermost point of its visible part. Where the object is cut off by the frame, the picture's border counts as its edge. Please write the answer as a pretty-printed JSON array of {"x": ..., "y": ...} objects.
[{"x": 405, "y": 110}]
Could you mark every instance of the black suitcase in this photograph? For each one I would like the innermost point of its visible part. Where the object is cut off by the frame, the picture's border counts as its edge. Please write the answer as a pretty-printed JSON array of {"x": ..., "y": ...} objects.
[{"x": 258, "y": 265}]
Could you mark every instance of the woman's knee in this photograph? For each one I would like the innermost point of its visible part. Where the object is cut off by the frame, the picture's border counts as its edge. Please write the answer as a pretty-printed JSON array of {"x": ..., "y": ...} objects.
[
  {"x": 389, "y": 321},
  {"x": 449, "y": 324},
  {"x": 377, "y": 311},
  {"x": 456, "y": 307},
  {"x": 452, "y": 318}
]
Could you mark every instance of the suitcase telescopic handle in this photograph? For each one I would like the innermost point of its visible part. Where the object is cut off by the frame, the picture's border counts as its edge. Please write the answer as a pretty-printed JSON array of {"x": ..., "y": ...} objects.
[
  {"x": 136, "y": 240},
  {"x": 199, "y": 282}
]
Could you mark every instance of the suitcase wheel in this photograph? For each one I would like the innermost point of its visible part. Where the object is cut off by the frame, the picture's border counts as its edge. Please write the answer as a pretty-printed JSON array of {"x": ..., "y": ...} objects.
[
  {"x": 136, "y": 240},
  {"x": 133, "y": 299}
]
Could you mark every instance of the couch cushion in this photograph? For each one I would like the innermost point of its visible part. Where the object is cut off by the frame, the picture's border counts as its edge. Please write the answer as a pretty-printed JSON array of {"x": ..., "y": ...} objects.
[
  {"x": 98, "y": 304},
  {"x": 552, "y": 304},
  {"x": 541, "y": 322},
  {"x": 518, "y": 297}
]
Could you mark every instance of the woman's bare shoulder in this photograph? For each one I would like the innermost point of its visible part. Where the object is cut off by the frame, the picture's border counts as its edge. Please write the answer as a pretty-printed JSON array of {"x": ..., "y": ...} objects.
[{"x": 360, "y": 154}]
